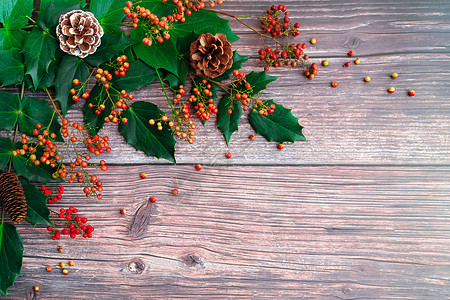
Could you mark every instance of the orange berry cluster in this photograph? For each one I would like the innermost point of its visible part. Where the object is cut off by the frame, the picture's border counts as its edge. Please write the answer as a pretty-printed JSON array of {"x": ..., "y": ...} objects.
[{"x": 204, "y": 104}]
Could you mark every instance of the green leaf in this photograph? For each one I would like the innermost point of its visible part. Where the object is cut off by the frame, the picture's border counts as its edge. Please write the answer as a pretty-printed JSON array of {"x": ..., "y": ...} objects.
[
  {"x": 183, "y": 71},
  {"x": 112, "y": 44},
  {"x": 13, "y": 17},
  {"x": 143, "y": 136},
  {"x": 12, "y": 68},
  {"x": 159, "y": 55},
  {"x": 48, "y": 79},
  {"x": 225, "y": 122},
  {"x": 30, "y": 171},
  {"x": 237, "y": 62},
  {"x": 37, "y": 210},
  {"x": 13, "y": 13},
  {"x": 203, "y": 21},
  {"x": 11, "y": 255},
  {"x": 70, "y": 67},
  {"x": 39, "y": 52},
  {"x": 158, "y": 7},
  {"x": 137, "y": 76},
  {"x": 51, "y": 10},
  {"x": 259, "y": 81},
  {"x": 109, "y": 11},
  {"x": 36, "y": 111},
  {"x": 280, "y": 126},
  {"x": 6, "y": 148},
  {"x": 9, "y": 108},
  {"x": 98, "y": 96}
]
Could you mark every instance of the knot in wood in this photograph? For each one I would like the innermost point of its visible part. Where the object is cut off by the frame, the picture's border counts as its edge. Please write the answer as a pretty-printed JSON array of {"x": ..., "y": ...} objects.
[
  {"x": 191, "y": 260},
  {"x": 136, "y": 267}
]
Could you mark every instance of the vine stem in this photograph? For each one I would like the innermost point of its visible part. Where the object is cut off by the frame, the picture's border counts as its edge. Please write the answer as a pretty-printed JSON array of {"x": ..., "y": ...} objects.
[{"x": 164, "y": 90}]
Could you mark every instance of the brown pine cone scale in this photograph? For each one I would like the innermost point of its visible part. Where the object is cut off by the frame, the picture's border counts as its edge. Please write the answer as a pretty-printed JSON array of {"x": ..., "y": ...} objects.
[{"x": 12, "y": 197}]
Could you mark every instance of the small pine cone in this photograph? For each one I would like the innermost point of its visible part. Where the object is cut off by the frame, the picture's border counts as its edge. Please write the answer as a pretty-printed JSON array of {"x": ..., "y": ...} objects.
[
  {"x": 12, "y": 197},
  {"x": 79, "y": 33},
  {"x": 211, "y": 55}
]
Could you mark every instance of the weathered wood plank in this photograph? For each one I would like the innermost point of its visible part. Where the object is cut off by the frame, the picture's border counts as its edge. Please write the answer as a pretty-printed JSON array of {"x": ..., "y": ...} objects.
[{"x": 267, "y": 231}]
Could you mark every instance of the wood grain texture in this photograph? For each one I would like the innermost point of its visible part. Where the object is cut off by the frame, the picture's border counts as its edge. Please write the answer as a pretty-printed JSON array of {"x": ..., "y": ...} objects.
[
  {"x": 359, "y": 211},
  {"x": 253, "y": 232}
]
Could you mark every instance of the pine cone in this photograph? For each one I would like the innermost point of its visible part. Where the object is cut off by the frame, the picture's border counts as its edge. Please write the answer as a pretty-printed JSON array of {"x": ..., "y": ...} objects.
[
  {"x": 79, "y": 33},
  {"x": 12, "y": 197},
  {"x": 211, "y": 55}
]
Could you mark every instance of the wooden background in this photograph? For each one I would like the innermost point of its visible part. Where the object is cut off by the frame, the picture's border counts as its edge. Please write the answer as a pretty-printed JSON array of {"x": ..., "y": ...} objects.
[{"x": 359, "y": 211}]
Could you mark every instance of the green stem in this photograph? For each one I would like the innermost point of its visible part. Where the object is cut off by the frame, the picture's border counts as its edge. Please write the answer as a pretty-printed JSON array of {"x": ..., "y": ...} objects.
[
  {"x": 164, "y": 90},
  {"x": 16, "y": 128}
]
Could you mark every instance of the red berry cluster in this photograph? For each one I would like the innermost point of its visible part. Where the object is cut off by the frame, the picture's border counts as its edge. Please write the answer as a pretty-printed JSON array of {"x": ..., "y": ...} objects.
[
  {"x": 74, "y": 225},
  {"x": 275, "y": 25},
  {"x": 80, "y": 91},
  {"x": 53, "y": 197},
  {"x": 203, "y": 101},
  {"x": 180, "y": 122},
  {"x": 313, "y": 71}
]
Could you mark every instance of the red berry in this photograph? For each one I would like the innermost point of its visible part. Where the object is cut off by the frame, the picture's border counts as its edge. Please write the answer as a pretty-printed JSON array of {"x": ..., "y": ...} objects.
[
  {"x": 391, "y": 89},
  {"x": 123, "y": 211},
  {"x": 334, "y": 84},
  {"x": 152, "y": 199},
  {"x": 411, "y": 93},
  {"x": 198, "y": 167},
  {"x": 347, "y": 64},
  {"x": 175, "y": 191},
  {"x": 251, "y": 137},
  {"x": 228, "y": 155},
  {"x": 351, "y": 53},
  {"x": 280, "y": 146},
  {"x": 143, "y": 175}
]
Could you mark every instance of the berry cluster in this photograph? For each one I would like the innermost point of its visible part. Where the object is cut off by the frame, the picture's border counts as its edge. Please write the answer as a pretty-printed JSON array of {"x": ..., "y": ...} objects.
[
  {"x": 80, "y": 91},
  {"x": 53, "y": 197},
  {"x": 180, "y": 122},
  {"x": 201, "y": 97},
  {"x": 73, "y": 225},
  {"x": 290, "y": 55},
  {"x": 275, "y": 25}
]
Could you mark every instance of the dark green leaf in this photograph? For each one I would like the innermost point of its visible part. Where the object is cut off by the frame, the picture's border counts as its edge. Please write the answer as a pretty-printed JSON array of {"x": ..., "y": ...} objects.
[
  {"x": 36, "y": 111},
  {"x": 48, "y": 79},
  {"x": 6, "y": 148},
  {"x": 108, "y": 11},
  {"x": 70, "y": 68},
  {"x": 39, "y": 52},
  {"x": 143, "y": 136},
  {"x": 51, "y": 10},
  {"x": 159, "y": 55},
  {"x": 37, "y": 210},
  {"x": 12, "y": 68},
  {"x": 30, "y": 171},
  {"x": 98, "y": 96},
  {"x": 158, "y": 7},
  {"x": 237, "y": 62},
  {"x": 184, "y": 43},
  {"x": 259, "y": 81},
  {"x": 225, "y": 122},
  {"x": 183, "y": 71},
  {"x": 9, "y": 108},
  {"x": 137, "y": 76},
  {"x": 112, "y": 44},
  {"x": 11, "y": 255},
  {"x": 203, "y": 21},
  {"x": 13, "y": 13},
  {"x": 280, "y": 126},
  {"x": 12, "y": 38}
]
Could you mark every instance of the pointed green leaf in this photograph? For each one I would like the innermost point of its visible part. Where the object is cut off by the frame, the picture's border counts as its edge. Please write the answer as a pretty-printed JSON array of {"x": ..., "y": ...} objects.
[
  {"x": 13, "y": 13},
  {"x": 39, "y": 52},
  {"x": 203, "y": 21},
  {"x": 9, "y": 108},
  {"x": 259, "y": 81},
  {"x": 70, "y": 68},
  {"x": 36, "y": 111},
  {"x": 12, "y": 68},
  {"x": 30, "y": 171},
  {"x": 98, "y": 96},
  {"x": 159, "y": 55},
  {"x": 228, "y": 123},
  {"x": 11, "y": 256},
  {"x": 12, "y": 38},
  {"x": 108, "y": 11},
  {"x": 183, "y": 71},
  {"x": 280, "y": 126},
  {"x": 6, "y": 148},
  {"x": 137, "y": 76},
  {"x": 143, "y": 136},
  {"x": 37, "y": 212},
  {"x": 237, "y": 63},
  {"x": 112, "y": 44},
  {"x": 51, "y": 10}
]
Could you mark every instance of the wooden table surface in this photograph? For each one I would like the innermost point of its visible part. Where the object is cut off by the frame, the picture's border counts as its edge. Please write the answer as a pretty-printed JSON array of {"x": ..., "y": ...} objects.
[{"x": 359, "y": 211}]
